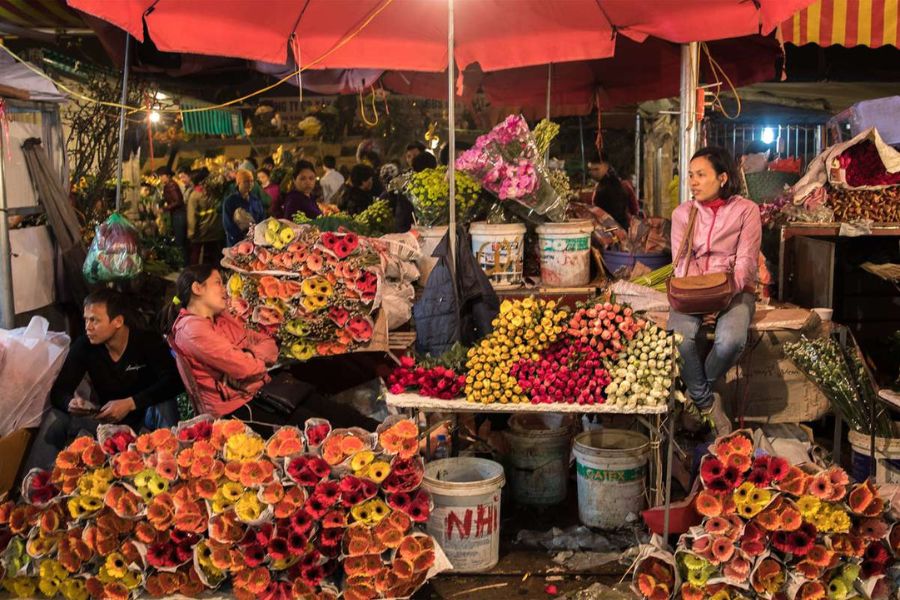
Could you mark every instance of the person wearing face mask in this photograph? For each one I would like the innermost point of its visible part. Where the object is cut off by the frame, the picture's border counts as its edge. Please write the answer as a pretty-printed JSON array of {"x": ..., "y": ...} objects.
[
  {"x": 300, "y": 199},
  {"x": 726, "y": 238},
  {"x": 225, "y": 365},
  {"x": 241, "y": 209}
]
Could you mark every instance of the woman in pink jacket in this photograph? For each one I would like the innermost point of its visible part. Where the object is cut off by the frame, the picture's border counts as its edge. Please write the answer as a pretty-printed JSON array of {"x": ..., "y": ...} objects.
[
  {"x": 727, "y": 234},
  {"x": 225, "y": 365}
]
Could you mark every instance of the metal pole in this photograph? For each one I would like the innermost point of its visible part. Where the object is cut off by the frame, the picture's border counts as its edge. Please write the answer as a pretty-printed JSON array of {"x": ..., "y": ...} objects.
[
  {"x": 637, "y": 155},
  {"x": 7, "y": 305},
  {"x": 549, "y": 81},
  {"x": 451, "y": 135},
  {"x": 687, "y": 126},
  {"x": 583, "y": 161},
  {"x": 123, "y": 100}
]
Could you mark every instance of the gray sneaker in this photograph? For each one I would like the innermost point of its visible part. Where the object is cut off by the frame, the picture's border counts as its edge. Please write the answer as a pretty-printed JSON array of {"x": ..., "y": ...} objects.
[{"x": 716, "y": 416}]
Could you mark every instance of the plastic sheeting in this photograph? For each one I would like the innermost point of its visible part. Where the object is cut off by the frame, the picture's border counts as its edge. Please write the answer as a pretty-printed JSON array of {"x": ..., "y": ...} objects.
[
  {"x": 30, "y": 359},
  {"x": 19, "y": 76}
]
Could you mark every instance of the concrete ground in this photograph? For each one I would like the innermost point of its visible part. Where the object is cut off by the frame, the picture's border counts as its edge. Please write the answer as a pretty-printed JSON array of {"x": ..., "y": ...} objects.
[{"x": 524, "y": 572}]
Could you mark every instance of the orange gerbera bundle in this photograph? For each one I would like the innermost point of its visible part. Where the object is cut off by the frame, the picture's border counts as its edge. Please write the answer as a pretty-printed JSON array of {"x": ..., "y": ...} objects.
[
  {"x": 864, "y": 500},
  {"x": 225, "y": 528},
  {"x": 341, "y": 445},
  {"x": 795, "y": 482},
  {"x": 287, "y": 441},
  {"x": 360, "y": 540},
  {"x": 199, "y": 461},
  {"x": 161, "y": 511},
  {"x": 128, "y": 463},
  {"x": 391, "y": 530},
  {"x": 419, "y": 549},
  {"x": 252, "y": 581},
  {"x": 294, "y": 497},
  {"x": 733, "y": 450},
  {"x": 255, "y": 474},
  {"x": 165, "y": 464},
  {"x": 123, "y": 501},
  {"x": 401, "y": 438},
  {"x": 160, "y": 439}
]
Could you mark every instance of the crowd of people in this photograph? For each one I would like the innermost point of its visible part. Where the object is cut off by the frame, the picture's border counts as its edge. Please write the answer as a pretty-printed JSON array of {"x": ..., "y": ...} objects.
[{"x": 202, "y": 222}]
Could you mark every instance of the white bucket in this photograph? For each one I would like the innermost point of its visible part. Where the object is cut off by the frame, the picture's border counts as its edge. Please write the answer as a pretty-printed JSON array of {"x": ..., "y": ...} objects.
[
  {"x": 611, "y": 468},
  {"x": 565, "y": 253},
  {"x": 887, "y": 458},
  {"x": 466, "y": 516},
  {"x": 539, "y": 458},
  {"x": 500, "y": 250},
  {"x": 430, "y": 237}
]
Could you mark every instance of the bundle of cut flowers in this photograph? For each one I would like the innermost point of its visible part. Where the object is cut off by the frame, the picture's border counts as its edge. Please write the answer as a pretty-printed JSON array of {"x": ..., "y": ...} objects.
[
  {"x": 434, "y": 382},
  {"x": 315, "y": 291},
  {"x": 602, "y": 353},
  {"x": 429, "y": 191},
  {"x": 864, "y": 167},
  {"x": 842, "y": 377},
  {"x": 507, "y": 162},
  {"x": 312, "y": 514},
  {"x": 773, "y": 530}
]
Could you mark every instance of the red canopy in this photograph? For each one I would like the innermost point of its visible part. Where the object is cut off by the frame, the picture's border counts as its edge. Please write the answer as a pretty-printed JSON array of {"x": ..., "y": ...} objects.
[
  {"x": 412, "y": 34},
  {"x": 638, "y": 72}
]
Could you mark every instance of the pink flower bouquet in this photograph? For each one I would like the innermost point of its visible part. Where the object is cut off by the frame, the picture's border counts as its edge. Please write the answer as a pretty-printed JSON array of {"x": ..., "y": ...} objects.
[{"x": 506, "y": 162}]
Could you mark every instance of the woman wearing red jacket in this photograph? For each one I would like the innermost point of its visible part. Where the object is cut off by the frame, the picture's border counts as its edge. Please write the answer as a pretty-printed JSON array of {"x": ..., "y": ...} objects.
[{"x": 225, "y": 365}]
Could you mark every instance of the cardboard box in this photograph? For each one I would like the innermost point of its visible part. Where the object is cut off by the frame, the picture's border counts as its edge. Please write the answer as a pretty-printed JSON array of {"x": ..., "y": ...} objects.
[
  {"x": 768, "y": 387},
  {"x": 13, "y": 448}
]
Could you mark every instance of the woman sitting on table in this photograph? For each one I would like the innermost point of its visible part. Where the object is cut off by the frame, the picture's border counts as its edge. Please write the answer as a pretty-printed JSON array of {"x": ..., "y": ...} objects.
[
  {"x": 225, "y": 365},
  {"x": 726, "y": 237}
]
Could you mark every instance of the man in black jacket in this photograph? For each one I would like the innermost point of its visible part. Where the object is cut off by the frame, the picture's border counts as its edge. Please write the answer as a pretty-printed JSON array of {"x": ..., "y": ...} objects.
[{"x": 130, "y": 370}]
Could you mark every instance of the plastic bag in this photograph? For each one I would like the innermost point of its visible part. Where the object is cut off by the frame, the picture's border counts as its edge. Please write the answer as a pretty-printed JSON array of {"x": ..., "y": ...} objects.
[
  {"x": 30, "y": 360},
  {"x": 114, "y": 253}
]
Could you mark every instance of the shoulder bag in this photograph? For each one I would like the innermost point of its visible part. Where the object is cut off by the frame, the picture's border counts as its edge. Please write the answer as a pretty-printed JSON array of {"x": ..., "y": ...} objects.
[{"x": 698, "y": 294}]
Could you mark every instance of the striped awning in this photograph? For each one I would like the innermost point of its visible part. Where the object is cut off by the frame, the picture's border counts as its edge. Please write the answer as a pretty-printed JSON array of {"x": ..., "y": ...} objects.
[
  {"x": 52, "y": 14},
  {"x": 848, "y": 23}
]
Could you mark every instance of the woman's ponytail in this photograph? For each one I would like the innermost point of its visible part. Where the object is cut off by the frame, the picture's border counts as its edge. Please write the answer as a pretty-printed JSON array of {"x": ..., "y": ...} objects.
[{"x": 183, "y": 293}]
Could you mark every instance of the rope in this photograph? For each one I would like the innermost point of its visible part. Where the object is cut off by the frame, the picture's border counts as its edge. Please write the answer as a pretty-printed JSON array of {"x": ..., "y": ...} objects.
[
  {"x": 362, "y": 109},
  {"x": 719, "y": 72},
  {"x": 132, "y": 109}
]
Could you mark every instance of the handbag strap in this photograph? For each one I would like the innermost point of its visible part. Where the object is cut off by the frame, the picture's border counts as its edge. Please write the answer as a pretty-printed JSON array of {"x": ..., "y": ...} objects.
[{"x": 687, "y": 243}]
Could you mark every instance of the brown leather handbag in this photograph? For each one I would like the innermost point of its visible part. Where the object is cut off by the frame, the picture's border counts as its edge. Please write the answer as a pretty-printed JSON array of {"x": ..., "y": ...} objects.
[{"x": 698, "y": 294}]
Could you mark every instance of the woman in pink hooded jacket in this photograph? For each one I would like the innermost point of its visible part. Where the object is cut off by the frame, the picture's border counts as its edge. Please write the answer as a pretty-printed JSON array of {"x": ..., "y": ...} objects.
[{"x": 727, "y": 235}]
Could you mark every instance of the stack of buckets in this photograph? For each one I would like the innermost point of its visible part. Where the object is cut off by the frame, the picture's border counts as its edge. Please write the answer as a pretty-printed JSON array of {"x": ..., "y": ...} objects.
[
  {"x": 611, "y": 468},
  {"x": 565, "y": 252}
]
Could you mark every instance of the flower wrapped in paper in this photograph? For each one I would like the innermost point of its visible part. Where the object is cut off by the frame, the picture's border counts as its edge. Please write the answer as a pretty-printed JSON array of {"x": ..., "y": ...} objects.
[{"x": 508, "y": 163}]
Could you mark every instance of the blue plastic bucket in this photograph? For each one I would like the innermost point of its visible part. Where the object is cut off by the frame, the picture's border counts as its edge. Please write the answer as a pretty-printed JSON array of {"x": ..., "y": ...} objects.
[{"x": 615, "y": 260}]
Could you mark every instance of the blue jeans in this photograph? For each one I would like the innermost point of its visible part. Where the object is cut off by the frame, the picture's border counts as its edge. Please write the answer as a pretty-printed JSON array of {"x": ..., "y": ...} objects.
[
  {"x": 732, "y": 326},
  {"x": 58, "y": 428}
]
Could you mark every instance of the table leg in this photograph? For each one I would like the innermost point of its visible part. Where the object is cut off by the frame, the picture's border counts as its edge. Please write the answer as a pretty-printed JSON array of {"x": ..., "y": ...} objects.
[{"x": 670, "y": 434}]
